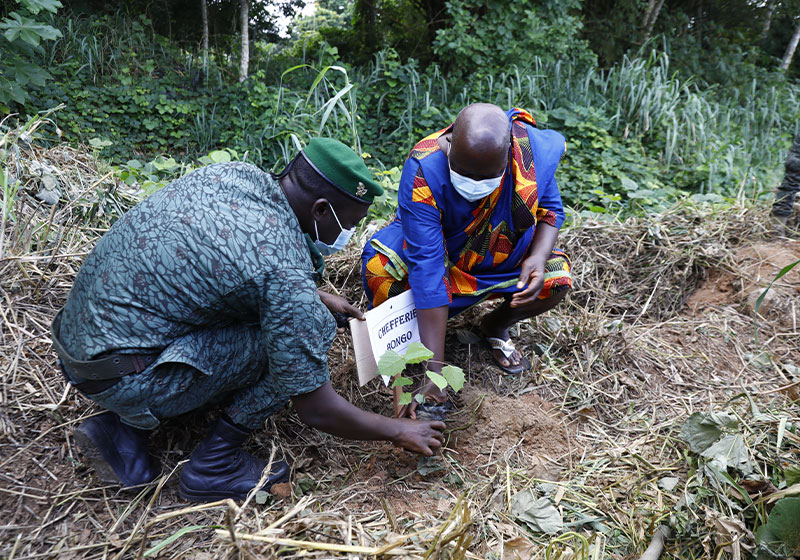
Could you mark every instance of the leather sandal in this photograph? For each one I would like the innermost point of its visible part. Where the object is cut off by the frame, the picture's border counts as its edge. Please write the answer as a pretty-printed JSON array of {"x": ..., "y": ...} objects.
[{"x": 507, "y": 348}]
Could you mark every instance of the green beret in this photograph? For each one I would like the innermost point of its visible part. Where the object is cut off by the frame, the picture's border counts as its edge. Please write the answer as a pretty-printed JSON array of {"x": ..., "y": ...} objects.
[{"x": 343, "y": 168}]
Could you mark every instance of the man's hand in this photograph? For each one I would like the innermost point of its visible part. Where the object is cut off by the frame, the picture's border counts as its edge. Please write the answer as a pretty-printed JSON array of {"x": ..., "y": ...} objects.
[
  {"x": 418, "y": 436},
  {"x": 337, "y": 304},
  {"x": 532, "y": 276},
  {"x": 324, "y": 409}
]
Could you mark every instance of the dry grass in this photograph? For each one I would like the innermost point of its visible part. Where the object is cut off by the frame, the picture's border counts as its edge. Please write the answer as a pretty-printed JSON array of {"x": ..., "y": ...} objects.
[{"x": 619, "y": 367}]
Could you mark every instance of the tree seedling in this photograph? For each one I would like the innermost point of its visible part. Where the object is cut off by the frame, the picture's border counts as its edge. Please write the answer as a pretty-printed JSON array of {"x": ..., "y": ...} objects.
[{"x": 393, "y": 364}]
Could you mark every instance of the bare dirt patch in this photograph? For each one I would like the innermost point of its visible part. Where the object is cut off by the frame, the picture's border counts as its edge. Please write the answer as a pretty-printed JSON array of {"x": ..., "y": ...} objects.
[
  {"x": 754, "y": 267},
  {"x": 502, "y": 425},
  {"x": 719, "y": 289}
]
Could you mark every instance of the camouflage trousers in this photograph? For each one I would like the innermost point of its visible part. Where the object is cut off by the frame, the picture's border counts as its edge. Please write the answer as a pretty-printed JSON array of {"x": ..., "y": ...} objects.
[
  {"x": 784, "y": 197},
  {"x": 241, "y": 383}
]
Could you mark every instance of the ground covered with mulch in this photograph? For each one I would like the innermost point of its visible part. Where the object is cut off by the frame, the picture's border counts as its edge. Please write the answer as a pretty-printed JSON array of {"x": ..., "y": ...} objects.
[{"x": 584, "y": 456}]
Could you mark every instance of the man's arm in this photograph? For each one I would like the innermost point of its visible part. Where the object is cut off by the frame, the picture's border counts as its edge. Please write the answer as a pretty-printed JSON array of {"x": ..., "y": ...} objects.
[
  {"x": 337, "y": 304},
  {"x": 324, "y": 409},
  {"x": 340, "y": 308},
  {"x": 533, "y": 267},
  {"x": 425, "y": 251},
  {"x": 548, "y": 149}
]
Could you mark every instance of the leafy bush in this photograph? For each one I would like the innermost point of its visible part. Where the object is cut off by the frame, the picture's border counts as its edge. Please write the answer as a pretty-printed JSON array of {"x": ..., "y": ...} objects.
[
  {"x": 639, "y": 135},
  {"x": 23, "y": 33},
  {"x": 601, "y": 172},
  {"x": 484, "y": 36}
]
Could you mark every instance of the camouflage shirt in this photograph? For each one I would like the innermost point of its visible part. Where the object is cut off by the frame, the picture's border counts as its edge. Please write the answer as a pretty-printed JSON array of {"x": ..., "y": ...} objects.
[{"x": 216, "y": 248}]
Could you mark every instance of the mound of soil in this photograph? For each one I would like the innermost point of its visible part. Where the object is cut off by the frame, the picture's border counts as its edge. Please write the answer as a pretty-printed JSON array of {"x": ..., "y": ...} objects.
[
  {"x": 501, "y": 426},
  {"x": 755, "y": 267},
  {"x": 486, "y": 433}
]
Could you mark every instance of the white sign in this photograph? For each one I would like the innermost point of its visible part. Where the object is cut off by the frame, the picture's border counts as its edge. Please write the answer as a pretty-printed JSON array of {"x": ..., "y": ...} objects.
[
  {"x": 393, "y": 325},
  {"x": 390, "y": 326}
]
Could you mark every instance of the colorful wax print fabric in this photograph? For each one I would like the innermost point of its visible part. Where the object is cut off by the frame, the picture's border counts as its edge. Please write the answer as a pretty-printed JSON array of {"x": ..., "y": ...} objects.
[{"x": 450, "y": 251}]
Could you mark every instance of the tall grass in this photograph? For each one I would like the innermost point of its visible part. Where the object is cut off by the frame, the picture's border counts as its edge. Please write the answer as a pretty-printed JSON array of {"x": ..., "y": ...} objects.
[
  {"x": 327, "y": 106},
  {"x": 114, "y": 44},
  {"x": 724, "y": 135},
  {"x": 728, "y": 132}
]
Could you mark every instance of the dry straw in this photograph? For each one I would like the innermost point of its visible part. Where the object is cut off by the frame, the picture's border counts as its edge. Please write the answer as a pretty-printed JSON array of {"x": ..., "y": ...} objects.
[{"x": 623, "y": 363}]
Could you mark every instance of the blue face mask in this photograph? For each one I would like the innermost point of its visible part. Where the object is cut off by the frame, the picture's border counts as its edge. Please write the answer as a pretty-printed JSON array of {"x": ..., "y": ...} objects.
[
  {"x": 473, "y": 189},
  {"x": 341, "y": 239}
]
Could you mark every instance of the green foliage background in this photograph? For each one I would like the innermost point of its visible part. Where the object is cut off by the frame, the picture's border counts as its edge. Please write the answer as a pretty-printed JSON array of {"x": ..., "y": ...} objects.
[
  {"x": 20, "y": 44},
  {"x": 642, "y": 130}
]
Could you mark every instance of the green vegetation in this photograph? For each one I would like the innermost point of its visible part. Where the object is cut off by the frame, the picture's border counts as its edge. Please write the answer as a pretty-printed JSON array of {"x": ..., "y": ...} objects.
[
  {"x": 21, "y": 42},
  {"x": 677, "y": 117},
  {"x": 725, "y": 474},
  {"x": 641, "y": 133}
]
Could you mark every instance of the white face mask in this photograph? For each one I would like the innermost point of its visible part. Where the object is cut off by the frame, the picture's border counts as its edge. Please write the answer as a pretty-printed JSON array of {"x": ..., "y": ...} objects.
[
  {"x": 341, "y": 239},
  {"x": 473, "y": 189}
]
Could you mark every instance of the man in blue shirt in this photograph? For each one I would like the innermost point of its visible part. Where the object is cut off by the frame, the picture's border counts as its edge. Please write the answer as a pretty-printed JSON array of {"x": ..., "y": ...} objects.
[
  {"x": 206, "y": 292},
  {"x": 478, "y": 217}
]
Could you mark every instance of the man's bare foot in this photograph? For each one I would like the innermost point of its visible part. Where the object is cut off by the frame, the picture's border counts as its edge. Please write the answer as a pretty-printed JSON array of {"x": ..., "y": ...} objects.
[{"x": 505, "y": 355}]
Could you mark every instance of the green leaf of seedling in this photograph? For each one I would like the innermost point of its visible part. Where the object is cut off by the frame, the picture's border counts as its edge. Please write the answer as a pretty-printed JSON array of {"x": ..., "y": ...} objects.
[
  {"x": 402, "y": 382},
  {"x": 437, "y": 379},
  {"x": 417, "y": 353},
  {"x": 391, "y": 363},
  {"x": 419, "y": 398},
  {"x": 454, "y": 376},
  {"x": 404, "y": 399}
]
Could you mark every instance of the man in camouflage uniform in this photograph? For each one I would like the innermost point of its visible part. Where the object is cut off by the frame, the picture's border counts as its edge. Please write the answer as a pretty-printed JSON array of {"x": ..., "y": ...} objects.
[
  {"x": 206, "y": 293},
  {"x": 784, "y": 198}
]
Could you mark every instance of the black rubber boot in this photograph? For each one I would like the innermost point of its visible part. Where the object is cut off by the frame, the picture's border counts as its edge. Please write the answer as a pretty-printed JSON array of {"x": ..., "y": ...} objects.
[
  {"x": 116, "y": 451},
  {"x": 219, "y": 469}
]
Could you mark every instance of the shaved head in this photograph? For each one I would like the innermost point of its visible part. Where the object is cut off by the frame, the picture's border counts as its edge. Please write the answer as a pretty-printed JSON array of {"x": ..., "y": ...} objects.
[{"x": 480, "y": 141}]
